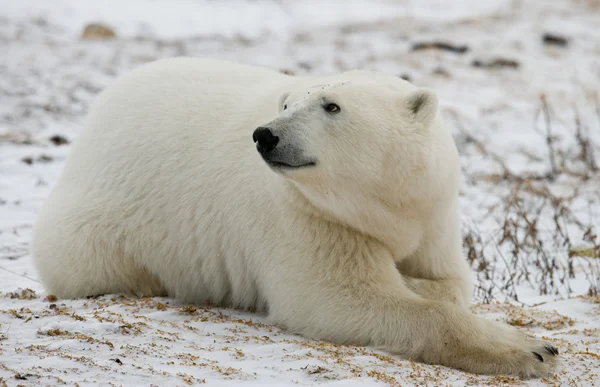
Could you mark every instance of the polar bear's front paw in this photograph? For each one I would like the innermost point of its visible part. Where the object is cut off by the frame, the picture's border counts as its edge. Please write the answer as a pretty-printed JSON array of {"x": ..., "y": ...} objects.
[
  {"x": 537, "y": 359},
  {"x": 522, "y": 356},
  {"x": 500, "y": 350}
]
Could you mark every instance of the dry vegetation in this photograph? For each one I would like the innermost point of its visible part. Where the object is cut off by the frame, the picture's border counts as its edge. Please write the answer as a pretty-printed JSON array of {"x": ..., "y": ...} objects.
[{"x": 534, "y": 243}]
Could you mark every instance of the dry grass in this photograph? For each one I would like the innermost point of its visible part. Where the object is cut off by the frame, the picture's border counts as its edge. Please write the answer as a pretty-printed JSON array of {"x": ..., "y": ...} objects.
[{"x": 541, "y": 240}]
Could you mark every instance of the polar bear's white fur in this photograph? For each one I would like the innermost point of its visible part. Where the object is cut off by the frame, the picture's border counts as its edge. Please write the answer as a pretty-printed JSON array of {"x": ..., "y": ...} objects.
[{"x": 344, "y": 228}]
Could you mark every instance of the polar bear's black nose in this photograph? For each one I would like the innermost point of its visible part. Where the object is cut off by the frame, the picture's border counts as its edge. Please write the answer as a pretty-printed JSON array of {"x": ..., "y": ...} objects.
[{"x": 265, "y": 139}]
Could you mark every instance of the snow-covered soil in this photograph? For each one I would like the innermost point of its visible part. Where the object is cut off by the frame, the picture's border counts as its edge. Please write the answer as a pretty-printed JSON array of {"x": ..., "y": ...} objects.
[{"x": 526, "y": 117}]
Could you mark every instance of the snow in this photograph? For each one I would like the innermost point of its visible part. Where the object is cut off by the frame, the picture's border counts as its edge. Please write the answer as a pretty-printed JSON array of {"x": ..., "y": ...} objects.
[
  {"x": 200, "y": 18},
  {"x": 49, "y": 76}
]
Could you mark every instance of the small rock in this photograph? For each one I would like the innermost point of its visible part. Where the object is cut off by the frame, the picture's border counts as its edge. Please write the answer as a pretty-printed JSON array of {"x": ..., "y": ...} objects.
[
  {"x": 555, "y": 40},
  {"x": 97, "y": 31},
  {"x": 59, "y": 140}
]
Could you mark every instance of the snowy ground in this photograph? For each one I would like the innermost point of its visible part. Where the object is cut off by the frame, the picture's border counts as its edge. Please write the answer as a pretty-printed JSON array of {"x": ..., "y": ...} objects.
[{"x": 528, "y": 128}]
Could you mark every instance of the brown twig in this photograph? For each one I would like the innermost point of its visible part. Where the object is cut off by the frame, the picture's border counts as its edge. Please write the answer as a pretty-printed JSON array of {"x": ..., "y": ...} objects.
[{"x": 549, "y": 139}]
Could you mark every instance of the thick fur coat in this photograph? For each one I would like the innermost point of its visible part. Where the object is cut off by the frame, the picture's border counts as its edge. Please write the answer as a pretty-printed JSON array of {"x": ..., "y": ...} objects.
[{"x": 328, "y": 203}]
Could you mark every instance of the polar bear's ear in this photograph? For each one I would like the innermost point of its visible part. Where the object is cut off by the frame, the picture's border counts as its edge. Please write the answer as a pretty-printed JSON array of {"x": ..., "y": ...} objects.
[
  {"x": 281, "y": 102},
  {"x": 422, "y": 106}
]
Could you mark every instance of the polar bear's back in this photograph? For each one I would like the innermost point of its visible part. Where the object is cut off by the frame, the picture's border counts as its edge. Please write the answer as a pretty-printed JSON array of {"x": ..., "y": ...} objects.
[
  {"x": 157, "y": 167},
  {"x": 181, "y": 106}
]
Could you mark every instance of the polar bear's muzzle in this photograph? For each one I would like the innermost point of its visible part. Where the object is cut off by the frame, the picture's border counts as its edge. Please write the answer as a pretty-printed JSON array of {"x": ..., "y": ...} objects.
[{"x": 278, "y": 151}]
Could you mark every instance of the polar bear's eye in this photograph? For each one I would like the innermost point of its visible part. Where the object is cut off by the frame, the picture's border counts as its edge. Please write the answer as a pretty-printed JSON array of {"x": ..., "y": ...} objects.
[
  {"x": 285, "y": 106},
  {"x": 332, "y": 108}
]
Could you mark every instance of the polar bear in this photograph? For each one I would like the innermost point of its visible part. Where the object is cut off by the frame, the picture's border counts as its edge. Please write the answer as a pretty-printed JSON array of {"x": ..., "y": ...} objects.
[{"x": 328, "y": 203}]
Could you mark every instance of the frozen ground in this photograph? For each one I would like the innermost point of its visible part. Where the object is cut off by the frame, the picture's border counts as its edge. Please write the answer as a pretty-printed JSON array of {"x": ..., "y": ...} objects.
[{"x": 528, "y": 130}]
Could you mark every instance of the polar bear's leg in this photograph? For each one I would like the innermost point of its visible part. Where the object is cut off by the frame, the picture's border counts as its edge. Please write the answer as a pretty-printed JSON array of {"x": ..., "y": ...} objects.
[
  {"x": 374, "y": 307},
  {"x": 439, "y": 289},
  {"x": 74, "y": 271},
  {"x": 438, "y": 270},
  {"x": 78, "y": 256}
]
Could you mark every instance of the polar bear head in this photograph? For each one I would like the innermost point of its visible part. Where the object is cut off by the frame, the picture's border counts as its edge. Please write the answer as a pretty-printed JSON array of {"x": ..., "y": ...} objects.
[{"x": 363, "y": 139}]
